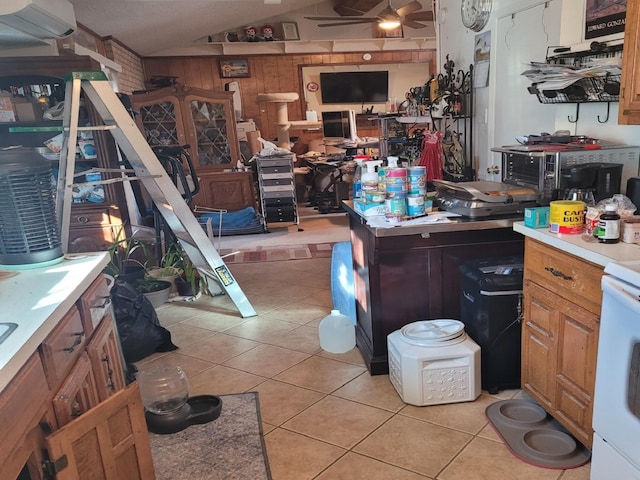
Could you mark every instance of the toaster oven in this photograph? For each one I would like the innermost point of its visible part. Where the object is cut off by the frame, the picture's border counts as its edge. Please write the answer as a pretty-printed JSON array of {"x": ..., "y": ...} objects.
[{"x": 532, "y": 166}]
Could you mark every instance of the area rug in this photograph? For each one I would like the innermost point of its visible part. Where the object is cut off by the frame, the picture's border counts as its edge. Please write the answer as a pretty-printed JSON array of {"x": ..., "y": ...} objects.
[
  {"x": 228, "y": 448},
  {"x": 534, "y": 436},
  {"x": 277, "y": 254}
]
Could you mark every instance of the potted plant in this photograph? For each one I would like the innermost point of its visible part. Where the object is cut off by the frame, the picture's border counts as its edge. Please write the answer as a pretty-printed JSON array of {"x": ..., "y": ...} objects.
[
  {"x": 156, "y": 291},
  {"x": 190, "y": 283},
  {"x": 128, "y": 256},
  {"x": 170, "y": 266}
]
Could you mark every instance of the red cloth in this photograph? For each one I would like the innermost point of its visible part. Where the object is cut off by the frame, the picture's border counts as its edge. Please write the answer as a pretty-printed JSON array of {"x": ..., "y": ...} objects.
[{"x": 431, "y": 155}]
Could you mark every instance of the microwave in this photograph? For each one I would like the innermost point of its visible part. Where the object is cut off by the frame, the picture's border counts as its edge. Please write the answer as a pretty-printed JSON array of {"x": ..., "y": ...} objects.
[{"x": 534, "y": 167}]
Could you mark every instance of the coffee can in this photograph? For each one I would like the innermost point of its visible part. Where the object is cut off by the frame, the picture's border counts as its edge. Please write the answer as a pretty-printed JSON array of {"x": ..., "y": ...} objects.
[{"x": 566, "y": 216}]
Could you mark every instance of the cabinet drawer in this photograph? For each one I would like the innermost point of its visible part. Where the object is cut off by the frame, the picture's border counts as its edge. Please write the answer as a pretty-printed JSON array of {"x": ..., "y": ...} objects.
[
  {"x": 278, "y": 202},
  {"x": 276, "y": 162},
  {"x": 62, "y": 347},
  {"x": 570, "y": 277},
  {"x": 277, "y": 181},
  {"x": 94, "y": 303},
  {"x": 265, "y": 172},
  {"x": 92, "y": 218},
  {"x": 278, "y": 193}
]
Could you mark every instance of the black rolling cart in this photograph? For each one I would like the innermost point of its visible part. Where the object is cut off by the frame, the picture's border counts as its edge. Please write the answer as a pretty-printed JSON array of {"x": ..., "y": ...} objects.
[{"x": 491, "y": 310}]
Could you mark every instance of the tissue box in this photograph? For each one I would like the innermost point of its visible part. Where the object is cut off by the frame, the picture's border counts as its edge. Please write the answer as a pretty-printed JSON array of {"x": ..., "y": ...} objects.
[
  {"x": 368, "y": 209},
  {"x": 536, "y": 217}
]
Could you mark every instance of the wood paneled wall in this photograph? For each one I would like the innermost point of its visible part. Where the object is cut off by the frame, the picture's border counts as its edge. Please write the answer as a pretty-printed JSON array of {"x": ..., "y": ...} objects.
[{"x": 269, "y": 74}]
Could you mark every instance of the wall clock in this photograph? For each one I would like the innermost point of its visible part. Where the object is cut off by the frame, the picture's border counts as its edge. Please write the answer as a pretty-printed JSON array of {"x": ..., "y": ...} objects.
[
  {"x": 475, "y": 13},
  {"x": 313, "y": 86}
]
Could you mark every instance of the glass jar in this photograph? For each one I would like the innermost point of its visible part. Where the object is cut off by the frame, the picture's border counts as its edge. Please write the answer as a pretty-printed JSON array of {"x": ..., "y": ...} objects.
[{"x": 164, "y": 389}]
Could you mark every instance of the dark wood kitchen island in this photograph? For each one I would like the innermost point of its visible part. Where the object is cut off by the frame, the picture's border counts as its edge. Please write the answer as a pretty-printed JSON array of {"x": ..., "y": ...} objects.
[{"x": 411, "y": 273}]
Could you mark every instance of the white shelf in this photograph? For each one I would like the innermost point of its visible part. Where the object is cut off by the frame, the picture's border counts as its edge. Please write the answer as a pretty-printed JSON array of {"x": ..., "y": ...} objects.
[{"x": 317, "y": 46}]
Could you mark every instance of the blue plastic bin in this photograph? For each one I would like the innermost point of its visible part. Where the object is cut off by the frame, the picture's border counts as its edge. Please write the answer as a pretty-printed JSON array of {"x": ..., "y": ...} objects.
[{"x": 342, "y": 288}]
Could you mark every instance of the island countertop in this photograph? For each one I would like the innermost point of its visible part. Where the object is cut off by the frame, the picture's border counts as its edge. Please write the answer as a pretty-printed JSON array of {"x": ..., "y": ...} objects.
[
  {"x": 456, "y": 224},
  {"x": 36, "y": 299}
]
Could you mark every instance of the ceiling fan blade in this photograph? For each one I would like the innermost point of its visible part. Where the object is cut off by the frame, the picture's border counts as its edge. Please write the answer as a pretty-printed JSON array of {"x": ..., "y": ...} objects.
[
  {"x": 339, "y": 19},
  {"x": 420, "y": 16},
  {"x": 353, "y": 22},
  {"x": 412, "y": 24},
  {"x": 347, "y": 8},
  {"x": 409, "y": 8}
]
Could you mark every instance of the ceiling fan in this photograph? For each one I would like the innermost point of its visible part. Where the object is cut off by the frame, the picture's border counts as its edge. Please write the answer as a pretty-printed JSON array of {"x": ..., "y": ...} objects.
[{"x": 389, "y": 18}]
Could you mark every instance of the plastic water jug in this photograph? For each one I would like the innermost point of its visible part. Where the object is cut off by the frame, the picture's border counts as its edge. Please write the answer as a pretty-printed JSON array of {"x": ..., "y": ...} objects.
[{"x": 337, "y": 333}]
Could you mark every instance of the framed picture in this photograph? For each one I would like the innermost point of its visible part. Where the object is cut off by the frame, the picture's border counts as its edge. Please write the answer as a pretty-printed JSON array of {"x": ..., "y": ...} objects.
[
  {"x": 390, "y": 32},
  {"x": 290, "y": 31},
  {"x": 234, "y": 68},
  {"x": 604, "y": 18}
]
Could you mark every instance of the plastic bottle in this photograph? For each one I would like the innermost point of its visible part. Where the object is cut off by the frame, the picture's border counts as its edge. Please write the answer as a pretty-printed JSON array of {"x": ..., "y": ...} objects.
[
  {"x": 337, "y": 333},
  {"x": 370, "y": 176},
  {"x": 609, "y": 224},
  {"x": 357, "y": 179},
  {"x": 392, "y": 162}
]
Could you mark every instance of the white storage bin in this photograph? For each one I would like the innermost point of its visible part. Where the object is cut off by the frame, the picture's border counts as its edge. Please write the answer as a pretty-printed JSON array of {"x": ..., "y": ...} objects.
[{"x": 434, "y": 362}]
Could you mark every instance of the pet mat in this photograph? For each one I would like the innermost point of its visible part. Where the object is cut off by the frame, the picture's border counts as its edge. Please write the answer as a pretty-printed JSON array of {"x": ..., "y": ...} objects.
[{"x": 534, "y": 436}]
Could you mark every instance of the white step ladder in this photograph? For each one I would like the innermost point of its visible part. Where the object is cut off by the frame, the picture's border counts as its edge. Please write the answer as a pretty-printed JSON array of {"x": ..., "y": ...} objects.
[{"x": 147, "y": 169}]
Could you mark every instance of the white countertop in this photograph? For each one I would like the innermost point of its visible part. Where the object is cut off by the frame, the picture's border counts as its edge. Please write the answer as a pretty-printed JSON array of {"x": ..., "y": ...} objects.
[
  {"x": 37, "y": 299},
  {"x": 582, "y": 245}
]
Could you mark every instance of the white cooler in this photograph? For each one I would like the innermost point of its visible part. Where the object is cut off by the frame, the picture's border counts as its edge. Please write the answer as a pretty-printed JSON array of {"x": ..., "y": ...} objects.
[{"x": 434, "y": 362}]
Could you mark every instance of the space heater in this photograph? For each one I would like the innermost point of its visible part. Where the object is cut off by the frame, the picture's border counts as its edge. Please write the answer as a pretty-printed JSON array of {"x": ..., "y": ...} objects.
[{"x": 29, "y": 234}]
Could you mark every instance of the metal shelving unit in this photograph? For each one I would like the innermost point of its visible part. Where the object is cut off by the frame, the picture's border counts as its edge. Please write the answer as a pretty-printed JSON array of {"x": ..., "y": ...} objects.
[{"x": 276, "y": 181}]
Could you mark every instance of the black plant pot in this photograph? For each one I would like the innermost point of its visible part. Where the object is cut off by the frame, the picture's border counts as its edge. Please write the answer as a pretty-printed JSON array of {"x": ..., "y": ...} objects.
[
  {"x": 184, "y": 287},
  {"x": 132, "y": 273}
]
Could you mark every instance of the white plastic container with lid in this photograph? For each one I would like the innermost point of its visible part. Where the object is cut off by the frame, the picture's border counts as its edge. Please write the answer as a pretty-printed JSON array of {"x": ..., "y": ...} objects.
[
  {"x": 434, "y": 362},
  {"x": 337, "y": 333},
  {"x": 370, "y": 176}
]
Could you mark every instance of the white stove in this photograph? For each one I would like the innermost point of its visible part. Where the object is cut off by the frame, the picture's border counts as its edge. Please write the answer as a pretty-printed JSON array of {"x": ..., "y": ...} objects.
[{"x": 616, "y": 409}]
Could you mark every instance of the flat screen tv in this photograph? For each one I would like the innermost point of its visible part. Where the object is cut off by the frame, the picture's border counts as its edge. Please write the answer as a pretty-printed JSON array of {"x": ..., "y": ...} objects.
[{"x": 354, "y": 87}]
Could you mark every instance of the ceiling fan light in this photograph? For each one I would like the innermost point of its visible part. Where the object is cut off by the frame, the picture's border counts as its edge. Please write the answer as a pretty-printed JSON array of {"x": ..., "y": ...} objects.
[{"x": 389, "y": 24}]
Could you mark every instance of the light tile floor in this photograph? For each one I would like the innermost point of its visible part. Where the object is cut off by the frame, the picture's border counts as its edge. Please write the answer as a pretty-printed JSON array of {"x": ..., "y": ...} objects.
[{"x": 324, "y": 416}]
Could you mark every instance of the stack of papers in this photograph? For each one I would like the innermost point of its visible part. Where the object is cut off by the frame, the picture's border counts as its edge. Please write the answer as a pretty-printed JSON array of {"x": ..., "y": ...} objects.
[{"x": 556, "y": 77}]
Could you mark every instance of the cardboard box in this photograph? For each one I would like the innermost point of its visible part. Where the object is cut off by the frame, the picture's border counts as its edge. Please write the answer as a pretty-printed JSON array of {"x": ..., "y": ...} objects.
[
  {"x": 536, "y": 217},
  {"x": 7, "y": 110},
  {"x": 244, "y": 127},
  {"x": 28, "y": 112}
]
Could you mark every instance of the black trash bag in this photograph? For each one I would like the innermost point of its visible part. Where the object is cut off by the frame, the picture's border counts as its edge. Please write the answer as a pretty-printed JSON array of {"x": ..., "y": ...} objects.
[{"x": 138, "y": 327}]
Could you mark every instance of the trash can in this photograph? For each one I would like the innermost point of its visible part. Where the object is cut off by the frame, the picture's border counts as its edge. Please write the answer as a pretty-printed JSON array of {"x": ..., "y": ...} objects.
[{"x": 491, "y": 310}]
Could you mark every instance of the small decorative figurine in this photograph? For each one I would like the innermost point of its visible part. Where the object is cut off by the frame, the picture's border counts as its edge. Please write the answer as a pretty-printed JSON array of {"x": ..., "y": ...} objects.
[
  {"x": 250, "y": 34},
  {"x": 267, "y": 33}
]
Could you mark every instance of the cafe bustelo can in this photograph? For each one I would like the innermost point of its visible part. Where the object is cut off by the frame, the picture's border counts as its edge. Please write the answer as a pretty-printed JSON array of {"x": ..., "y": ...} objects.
[{"x": 566, "y": 216}]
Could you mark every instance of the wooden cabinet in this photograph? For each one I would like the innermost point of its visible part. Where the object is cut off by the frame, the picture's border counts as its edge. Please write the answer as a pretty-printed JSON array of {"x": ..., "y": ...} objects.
[
  {"x": 96, "y": 211},
  {"x": 401, "y": 279},
  {"x": 204, "y": 120},
  {"x": 73, "y": 387},
  {"x": 562, "y": 300},
  {"x": 629, "y": 107}
]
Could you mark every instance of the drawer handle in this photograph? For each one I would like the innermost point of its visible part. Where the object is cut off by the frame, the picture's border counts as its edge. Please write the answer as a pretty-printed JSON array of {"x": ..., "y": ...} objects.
[
  {"x": 106, "y": 301},
  {"x": 111, "y": 385},
  {"x": 556, "y": 273},
  {"x": 82, "y": 219},
  {"x": 76, "y": 342}
]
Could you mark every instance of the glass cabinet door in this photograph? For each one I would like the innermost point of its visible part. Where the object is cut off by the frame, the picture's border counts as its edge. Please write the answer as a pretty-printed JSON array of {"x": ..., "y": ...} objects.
[
  {"x": 161, "y": 122},
  {"x": 210, "y": 126}
]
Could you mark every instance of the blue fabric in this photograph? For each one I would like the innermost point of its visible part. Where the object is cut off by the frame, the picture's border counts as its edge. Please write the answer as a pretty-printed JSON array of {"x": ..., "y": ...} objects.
[{"x": 239, "y": 218}]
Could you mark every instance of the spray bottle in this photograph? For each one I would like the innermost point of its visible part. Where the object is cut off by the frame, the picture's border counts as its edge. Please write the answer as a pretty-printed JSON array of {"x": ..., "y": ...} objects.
[
  {"x": 370, "y": 177},
  {"x": 392, "y": 162},
  {"x": 357, "y": 179}
]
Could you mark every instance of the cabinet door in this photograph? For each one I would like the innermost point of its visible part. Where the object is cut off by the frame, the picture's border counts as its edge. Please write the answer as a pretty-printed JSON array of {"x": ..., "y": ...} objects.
[
  {"x": 109, "y": 442},
  {"x": 78, "y": 392},
  {"x": 160, "y": 119},
  {"x": 227, "y": 191},
  {"x": 629, "y": 108},
  {"x": 212, "y": 125},
  {"x": 539, "y": 344},
  {"x": 106, "y": 361}
]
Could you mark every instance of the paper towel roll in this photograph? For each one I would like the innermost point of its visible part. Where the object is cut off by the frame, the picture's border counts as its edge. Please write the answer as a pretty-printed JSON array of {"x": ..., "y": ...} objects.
[{"x": 312, "y": 116}]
